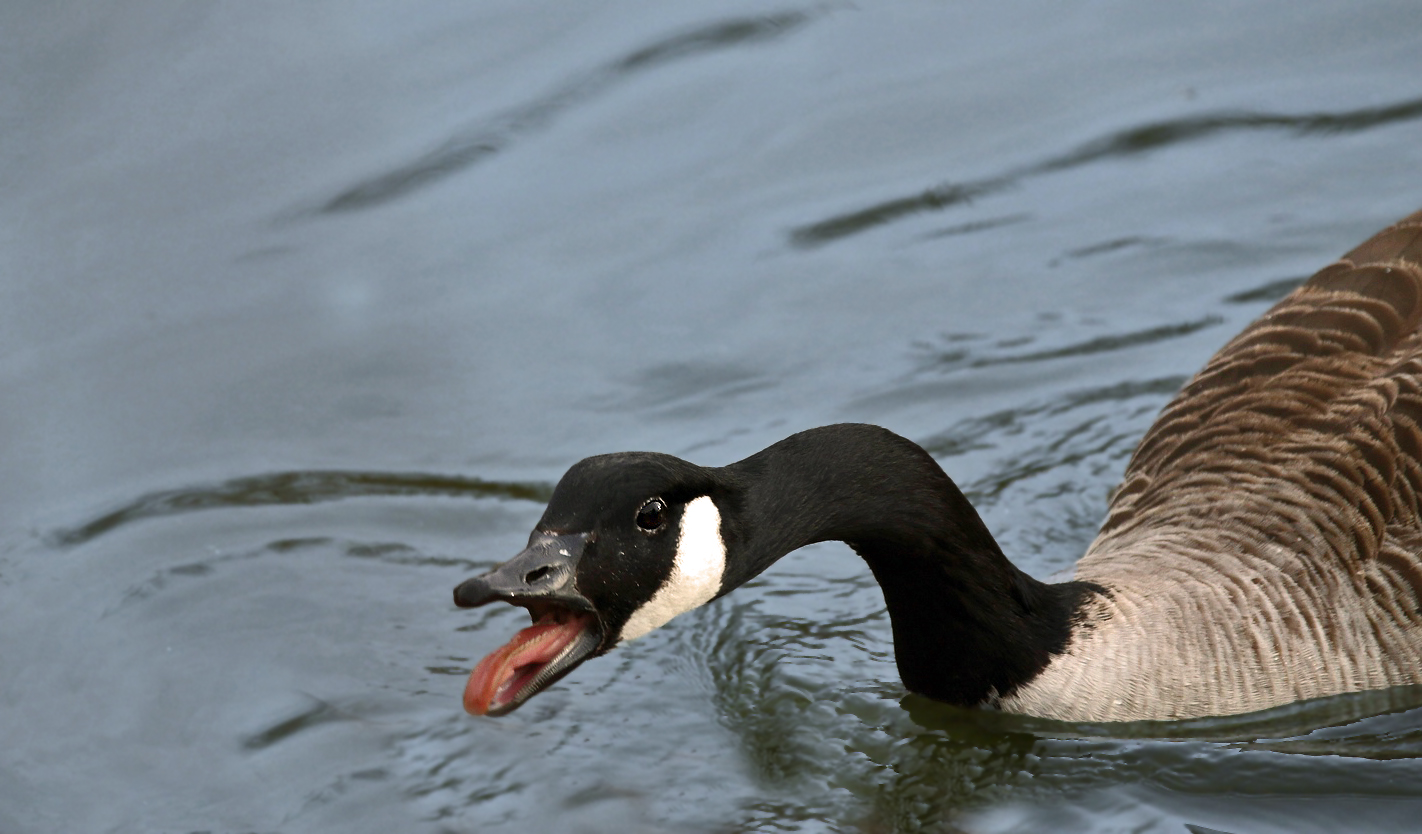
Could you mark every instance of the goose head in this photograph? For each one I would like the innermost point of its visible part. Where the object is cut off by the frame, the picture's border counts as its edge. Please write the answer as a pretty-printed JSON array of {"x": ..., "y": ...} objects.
[{"x": 628, "y": 542}]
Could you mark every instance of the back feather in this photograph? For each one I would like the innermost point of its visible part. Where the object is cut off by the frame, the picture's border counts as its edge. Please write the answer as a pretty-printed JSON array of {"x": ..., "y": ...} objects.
[{"x": 1265, "y": 543}]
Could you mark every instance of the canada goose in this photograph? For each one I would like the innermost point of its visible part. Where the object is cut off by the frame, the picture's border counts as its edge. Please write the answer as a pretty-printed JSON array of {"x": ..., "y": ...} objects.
[{"x": 1264, "y": 547}]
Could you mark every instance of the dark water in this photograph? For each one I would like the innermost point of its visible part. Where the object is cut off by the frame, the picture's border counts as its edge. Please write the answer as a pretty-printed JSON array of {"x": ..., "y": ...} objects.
[{"x": 303, "y": 310}]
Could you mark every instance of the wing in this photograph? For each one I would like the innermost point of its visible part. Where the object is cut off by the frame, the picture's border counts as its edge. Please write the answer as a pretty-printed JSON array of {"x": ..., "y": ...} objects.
[{"x": 1302, "y": 436}]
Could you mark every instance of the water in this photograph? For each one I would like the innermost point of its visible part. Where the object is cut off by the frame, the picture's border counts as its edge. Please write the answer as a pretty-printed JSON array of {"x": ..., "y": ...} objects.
[{"x": 303, "y": 311}]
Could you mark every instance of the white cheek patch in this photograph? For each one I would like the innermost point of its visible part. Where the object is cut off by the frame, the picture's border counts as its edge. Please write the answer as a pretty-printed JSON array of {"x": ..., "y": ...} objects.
[{"x": 696, "y": 573}]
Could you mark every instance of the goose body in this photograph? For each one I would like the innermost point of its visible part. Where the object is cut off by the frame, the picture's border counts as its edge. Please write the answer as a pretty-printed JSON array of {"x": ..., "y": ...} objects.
[{"x": 1265, "y": 545}]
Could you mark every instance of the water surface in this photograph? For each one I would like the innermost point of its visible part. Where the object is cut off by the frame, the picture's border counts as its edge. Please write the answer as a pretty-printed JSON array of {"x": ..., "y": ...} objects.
[{"x": 302, "y": 313}]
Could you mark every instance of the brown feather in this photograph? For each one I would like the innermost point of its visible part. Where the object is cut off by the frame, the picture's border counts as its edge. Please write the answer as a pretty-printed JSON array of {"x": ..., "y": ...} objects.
[{"x": 1266, "y": 543}]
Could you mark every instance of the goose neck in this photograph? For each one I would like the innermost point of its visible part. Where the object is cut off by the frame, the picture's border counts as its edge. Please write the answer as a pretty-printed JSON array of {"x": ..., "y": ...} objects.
[{"x": 968, "y": 625}]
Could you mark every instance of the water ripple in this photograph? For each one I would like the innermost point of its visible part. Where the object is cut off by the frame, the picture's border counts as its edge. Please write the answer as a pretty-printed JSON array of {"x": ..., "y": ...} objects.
[
  {"x": 683, "y": 389},
  {"x": 1129, "y": 142},
  {"x": 1272, "y": 291},
  {"x": 1103, "y": 344},
  {"x": 313, "y": 714},
  {"x": 936, "y": 198},
  {"x": 482, "y": 141},
  {"x": 296, "y": 488},
  {"x": 975, "y": 226}
]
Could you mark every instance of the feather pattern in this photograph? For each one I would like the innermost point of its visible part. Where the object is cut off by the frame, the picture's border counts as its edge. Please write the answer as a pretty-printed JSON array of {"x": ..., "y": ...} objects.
[{"x": 1265, "y": 545}]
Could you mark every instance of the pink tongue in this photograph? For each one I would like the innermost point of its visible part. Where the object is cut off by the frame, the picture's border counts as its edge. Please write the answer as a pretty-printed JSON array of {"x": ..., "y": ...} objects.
[{"x": 517, "y": 663}]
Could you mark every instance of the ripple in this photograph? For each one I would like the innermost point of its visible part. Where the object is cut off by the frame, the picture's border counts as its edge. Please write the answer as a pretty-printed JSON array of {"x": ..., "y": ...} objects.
[
  {"x": 296, "y": 488},
  {"x": 1121, "y": 144},
  {"x": 1104, "y": 344},
  {"x": 956, "y": 355},
  {"x": 936, "y": 198},
  {"x": 1271, "y": 291},
  {"x": 684, "y": 389},
  {"x": 976, "y": 226},
  {"x": 1116, "y": 245},
  {"x": 313, "y": 714},
  {"x": 486, "y": 139}
]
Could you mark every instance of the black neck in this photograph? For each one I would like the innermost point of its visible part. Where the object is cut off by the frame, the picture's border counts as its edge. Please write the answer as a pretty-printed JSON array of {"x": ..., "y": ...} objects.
[{"x": 968, "y": 625}]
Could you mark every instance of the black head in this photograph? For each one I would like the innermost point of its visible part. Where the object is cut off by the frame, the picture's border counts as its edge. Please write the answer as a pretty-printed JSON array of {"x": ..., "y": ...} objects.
[{"x": 627, "y": 542}]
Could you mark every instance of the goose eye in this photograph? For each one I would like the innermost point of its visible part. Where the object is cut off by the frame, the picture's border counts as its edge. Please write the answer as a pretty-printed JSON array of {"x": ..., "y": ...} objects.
[{"x": 652, "y": 515}]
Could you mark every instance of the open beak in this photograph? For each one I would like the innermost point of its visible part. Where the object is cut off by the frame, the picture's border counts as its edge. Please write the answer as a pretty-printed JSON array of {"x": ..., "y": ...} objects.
[{"x": 565, "y": 631}]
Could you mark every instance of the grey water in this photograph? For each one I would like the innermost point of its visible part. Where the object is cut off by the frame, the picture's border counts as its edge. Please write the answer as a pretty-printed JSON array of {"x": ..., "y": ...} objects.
[{"x": 303, "y": 310}]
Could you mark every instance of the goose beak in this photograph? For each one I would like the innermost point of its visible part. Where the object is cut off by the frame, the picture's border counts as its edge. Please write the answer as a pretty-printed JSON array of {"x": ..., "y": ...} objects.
[
  {"x": 565, "y": 629},
  {"x": 545, "y": 570}
]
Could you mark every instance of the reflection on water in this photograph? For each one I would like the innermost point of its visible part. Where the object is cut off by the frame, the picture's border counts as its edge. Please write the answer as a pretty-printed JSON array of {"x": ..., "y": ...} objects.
[
  {"x": 246, "y": 461},
  {"x": 1118, "y": 145},
  {"x": 800, "y": 718},
  {"x": 474, "y": 145},
  {"x": 288, "y": 488}
]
